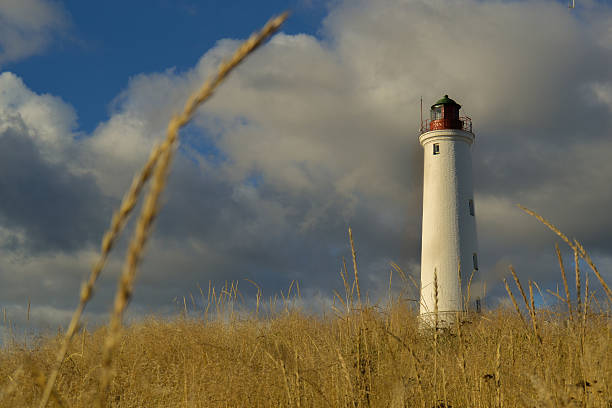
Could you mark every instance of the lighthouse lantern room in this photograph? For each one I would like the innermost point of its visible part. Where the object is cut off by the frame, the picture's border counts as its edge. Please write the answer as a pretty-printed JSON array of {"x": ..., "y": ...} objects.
[{"x": 449, "y": 255}]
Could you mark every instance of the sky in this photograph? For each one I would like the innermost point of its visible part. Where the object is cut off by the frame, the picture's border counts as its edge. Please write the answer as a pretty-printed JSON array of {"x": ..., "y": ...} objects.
[{"x": 315, "y": 132}]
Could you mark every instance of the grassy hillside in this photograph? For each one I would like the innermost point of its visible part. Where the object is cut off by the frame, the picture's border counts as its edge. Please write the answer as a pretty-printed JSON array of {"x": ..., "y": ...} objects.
[
  {"x": 361, "y": 355},
  {"x": 368, "y": 357}
]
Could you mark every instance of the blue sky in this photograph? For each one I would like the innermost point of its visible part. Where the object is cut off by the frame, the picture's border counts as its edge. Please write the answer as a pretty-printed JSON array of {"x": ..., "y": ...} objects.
[
  {"x": 314, "y": 132},
  {"x": 103, "y": 44}
]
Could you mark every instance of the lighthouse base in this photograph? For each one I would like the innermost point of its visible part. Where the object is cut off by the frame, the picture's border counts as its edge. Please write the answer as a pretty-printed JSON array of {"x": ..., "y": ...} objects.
[{"x": 444, "y": 319}]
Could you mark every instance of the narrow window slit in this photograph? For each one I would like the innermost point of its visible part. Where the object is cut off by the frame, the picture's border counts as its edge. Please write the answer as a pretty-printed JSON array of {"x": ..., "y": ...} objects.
[
  {"x": 436, "y": 148},
  {"x": 471, "y": 207}
]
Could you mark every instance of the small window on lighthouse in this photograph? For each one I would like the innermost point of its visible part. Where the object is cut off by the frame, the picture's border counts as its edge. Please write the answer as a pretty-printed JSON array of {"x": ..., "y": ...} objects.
[
  {"x": 436, "y": 148},
  {"x": 475, "y": 259},
  {"x": 472, "y": 207}
]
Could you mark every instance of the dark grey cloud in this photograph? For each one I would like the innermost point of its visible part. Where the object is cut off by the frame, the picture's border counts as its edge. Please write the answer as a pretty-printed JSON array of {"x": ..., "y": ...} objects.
[
  {"x": 53, "y": 208},
  {"x": 258, "y": 232}
]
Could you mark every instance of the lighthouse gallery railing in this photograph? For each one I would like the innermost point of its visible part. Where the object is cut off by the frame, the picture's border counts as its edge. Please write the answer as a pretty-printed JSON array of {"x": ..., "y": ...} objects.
[{"x": 464, "y": 123}]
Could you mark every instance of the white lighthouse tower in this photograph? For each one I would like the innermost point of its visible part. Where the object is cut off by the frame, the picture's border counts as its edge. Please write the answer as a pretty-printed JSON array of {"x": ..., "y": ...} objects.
[{"x": 449, "y": 246}]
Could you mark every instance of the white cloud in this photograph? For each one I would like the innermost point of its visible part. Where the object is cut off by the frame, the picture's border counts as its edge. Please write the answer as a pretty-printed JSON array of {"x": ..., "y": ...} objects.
[
  {"x": 27, "y": 27},
  {"x": 312, "y": 134},
  {"x": 46, "y": 119},
  {"x": 602, "y": 93}
]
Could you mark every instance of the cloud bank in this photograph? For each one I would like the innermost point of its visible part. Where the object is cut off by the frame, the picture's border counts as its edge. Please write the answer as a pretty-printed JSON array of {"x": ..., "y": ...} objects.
[
  {"x": 313, "y": 134},
  {"x": 27, "y": 27}
]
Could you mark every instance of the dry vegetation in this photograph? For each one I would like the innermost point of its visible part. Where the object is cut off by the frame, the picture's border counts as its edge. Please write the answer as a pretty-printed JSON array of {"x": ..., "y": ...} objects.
[
  {"x": 367, "y": 357},
  {"x": 358, "y": 355}
]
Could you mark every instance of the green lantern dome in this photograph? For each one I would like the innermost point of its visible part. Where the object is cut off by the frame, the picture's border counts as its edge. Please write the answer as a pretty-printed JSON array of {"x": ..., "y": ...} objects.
[{"x": 446, "y": 101}]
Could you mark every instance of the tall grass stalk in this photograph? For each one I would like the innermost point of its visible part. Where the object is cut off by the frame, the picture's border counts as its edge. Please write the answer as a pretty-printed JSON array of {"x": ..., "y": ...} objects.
[
  {"x": 118, "y": 221},
  {"x": 159, "y": 164},
  {"x": 568, "y": 300},
  {"x": 350, "y": 231},
  {"x": 576, "y": 246}
]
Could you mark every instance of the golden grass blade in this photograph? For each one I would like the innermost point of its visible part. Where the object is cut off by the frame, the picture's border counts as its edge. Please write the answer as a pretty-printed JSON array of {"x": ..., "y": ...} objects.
[
  {"x": 436, "y": 319},
  {"x": 118, "y": 221},
  {"x": 567, "y": 299},
  {"x": 399, "y": 270},
  {"x": 347, "y": 376},
  {"x": 347, "y": 293},
  {"x": 350, "y": 231},
  {"x": 584, "y": 254},
  {"x": 436, "y": 323},
  {"x": 575, "y": 246},
  {"x": 405, "y": 278},
  {"x": 533, "y": 313},
  {"x": 586, "y": 298},
  {"x": 336, "y": 294},
  {"x": 290, "y": 286},
  {"x": 151, "y": 204},
  {"x": 464, "y": 304},
  {"x": 498, "y": 374},
  {"x": 548, "y": 224},
  {"x": 469, "y": 289},
  {"x": 531, "y": 301},
  {"x": 516, "y": 306},
  {"x": 390, "y": 280},
  {"x": 578, "y": 279},
  {"x": 416, "y": 364},
  {"x": 520, "y": 287},
  {"x": 556, "y": 295},
  {"x": 583, "y": 323},
  {"x": 462, "y": 359},
  {"x": 258, "y": 296},
  {"x": 540, "y": 292}
]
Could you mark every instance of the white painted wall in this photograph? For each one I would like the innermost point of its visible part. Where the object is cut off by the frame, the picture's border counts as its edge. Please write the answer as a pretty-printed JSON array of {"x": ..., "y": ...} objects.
[{"x": 449, "y": 231}]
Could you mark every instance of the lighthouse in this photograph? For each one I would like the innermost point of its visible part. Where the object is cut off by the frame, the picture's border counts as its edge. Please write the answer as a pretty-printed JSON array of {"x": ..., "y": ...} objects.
[{"x": 449, "y": 252}]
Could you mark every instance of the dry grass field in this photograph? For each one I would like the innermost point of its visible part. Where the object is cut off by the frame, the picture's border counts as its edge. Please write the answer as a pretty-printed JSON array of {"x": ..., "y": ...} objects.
[
  {"x": 356, "y": 355},
  {"x": 369, "y": 357}
]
